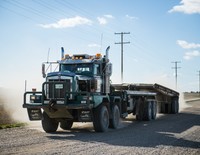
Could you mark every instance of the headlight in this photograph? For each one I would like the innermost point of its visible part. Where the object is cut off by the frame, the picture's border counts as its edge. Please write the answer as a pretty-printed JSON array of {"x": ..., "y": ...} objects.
[
  {"x": 87, "y": 98},
  {"x": 90, "y": 98},
  {"x": 32, "y": 97},
  {"x": 36, "y": 98}
]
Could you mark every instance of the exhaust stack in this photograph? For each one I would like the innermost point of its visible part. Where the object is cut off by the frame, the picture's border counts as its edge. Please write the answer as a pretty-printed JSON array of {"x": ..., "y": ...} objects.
[
  {"x": 108, "y": 72},
  {"x": 107, "y": 49},
  {"x": 62, "y": 53}
]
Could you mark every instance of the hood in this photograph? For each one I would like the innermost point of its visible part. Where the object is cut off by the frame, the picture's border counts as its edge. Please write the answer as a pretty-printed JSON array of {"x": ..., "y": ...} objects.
[
  {"x": 61, "y": 74},
  {"x": 83, "y": 77}
]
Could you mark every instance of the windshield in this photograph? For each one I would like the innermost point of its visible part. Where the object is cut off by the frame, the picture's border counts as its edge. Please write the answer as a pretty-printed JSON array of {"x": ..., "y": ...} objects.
[{"x": 81, "y": 69}]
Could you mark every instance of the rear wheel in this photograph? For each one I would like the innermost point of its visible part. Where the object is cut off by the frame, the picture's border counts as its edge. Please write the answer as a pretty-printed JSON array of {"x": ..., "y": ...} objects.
[
  {"x": 114, "y": 122},
  {"x": 49, "y": 124},
  {"x": 175, "y": 106},
  {"x": 154, "y": 109},
  {"x": 101, "y": 119},
  {"x": 147, "y": 115},
  {"x": 66, "y": 124},
  {"x": 140, "y": 109}
]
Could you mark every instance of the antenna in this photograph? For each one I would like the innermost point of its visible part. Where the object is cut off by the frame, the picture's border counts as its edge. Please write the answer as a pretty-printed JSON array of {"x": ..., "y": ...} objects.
[
  {"x": 48, "y": 55},
  {"x": 25, "y": 85},
  {"x": 101, "y": 41}
]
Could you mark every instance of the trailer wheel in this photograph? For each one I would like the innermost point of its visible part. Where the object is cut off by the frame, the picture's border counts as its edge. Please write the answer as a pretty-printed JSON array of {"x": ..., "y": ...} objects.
[
  {"x": 49, "y": 124},
  {"x": 139, "y": 110},
  {"x": 114, "y": 122},
  {"x": 139, "y": 116},
  {"x": 175, "y": 106},
  {"x": 154, "y": 109},
  {"x": 101, "y": 119},
  {"x": 66, "y": 124},
  {"x": 147, "y": 111}
]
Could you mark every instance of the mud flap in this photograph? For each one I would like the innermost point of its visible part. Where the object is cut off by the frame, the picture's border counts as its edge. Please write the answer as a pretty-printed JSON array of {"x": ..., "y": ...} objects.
[
  {"x": 34, "y": 114},
  {"x": 85, "y": 115}
]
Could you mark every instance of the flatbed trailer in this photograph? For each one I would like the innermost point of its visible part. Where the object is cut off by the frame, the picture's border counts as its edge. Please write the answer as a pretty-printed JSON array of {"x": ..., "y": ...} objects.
[{"x": 167, "y": 100}]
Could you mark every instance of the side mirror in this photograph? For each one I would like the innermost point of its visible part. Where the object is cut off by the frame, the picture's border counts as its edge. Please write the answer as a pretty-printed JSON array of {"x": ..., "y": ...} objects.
[
  {"x": 109, "y": 69},
  {"x": 43, "y": 71}
]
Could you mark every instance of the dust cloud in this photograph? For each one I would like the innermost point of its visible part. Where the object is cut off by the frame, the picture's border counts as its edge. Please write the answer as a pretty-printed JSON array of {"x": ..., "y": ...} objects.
[
  {"x": 182, "y": 103},
  {"x": 11, "y": 101}
]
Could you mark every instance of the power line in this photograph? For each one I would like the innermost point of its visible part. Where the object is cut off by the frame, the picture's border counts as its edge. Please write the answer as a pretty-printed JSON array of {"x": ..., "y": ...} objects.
[
  {"x": 176, "y": 70},
  {"x": 122, "y": 44},
  {"x": 19, "y": 14},
  {"x": 30, "y": 9}
]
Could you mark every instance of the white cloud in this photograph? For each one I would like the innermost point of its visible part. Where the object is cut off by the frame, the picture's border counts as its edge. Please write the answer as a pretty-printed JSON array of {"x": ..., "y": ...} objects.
[
  {"x": 131, "y": 17},
  {"x": 102, "y": 20},
  {"x": 108, "y": 16},
  {"x": 187, "y": 6},
  {"x": 94, "y": 45},
  {"x": 68, "y": 22},
  {"x": 190, "y": 55},
  {"x": 186, "y": 45}
]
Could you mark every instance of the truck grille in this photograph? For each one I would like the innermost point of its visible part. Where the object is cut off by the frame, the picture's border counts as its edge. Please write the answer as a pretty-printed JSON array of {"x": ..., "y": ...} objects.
[{"x": 57, "y": 88}]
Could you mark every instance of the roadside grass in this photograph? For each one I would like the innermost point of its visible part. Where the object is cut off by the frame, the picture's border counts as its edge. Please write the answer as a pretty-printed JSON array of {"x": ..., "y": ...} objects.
[
  {"x": 13, "y": 125},
  {"x": 6, "y": 121}
]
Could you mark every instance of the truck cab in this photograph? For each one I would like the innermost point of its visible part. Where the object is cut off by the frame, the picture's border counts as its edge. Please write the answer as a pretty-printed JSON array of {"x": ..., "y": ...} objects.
[{"x": 72, "y": 94}]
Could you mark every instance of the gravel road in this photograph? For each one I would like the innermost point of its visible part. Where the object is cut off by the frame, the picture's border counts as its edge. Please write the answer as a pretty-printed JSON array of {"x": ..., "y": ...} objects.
[{"x": 169, "y": 134}]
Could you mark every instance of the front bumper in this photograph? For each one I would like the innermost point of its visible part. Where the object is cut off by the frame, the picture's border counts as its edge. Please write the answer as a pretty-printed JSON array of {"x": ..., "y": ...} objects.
[{"x": 83, "y": 103}]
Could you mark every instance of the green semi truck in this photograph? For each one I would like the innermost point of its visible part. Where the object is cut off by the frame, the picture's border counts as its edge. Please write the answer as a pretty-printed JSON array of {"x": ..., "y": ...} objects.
[{"x": 80, "y": 91}]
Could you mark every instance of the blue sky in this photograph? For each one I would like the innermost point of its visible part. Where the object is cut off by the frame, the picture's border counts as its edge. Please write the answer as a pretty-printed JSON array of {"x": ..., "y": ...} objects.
[{"x": 161, "y": 32}]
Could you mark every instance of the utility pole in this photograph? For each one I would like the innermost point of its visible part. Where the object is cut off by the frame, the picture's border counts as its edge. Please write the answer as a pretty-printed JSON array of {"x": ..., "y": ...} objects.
[
  {"x": 199, "y": 82},
  {"x": 176, "y": 71},
  {"x": 122, "y": 43}
]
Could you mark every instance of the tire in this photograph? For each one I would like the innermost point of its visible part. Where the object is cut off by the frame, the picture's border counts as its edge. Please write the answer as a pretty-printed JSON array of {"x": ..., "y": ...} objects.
[
  {"x": 139, "y": 116},
  {"x": 139, "y": 110},
  {"x": 66, "y": 124},
  {"x": 114, "y": 122},
  {"x": 154, "y": 109},
  {"x": 147, "y": 115},
  {"x": 101, "y": 119},
  {"x": 175, "y": 106},
  {"x": 48, "y": 124}
]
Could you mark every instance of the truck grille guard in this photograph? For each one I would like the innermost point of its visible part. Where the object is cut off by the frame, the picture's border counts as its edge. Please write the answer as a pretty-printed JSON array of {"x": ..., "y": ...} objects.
[{"x": 60, "y": 97}]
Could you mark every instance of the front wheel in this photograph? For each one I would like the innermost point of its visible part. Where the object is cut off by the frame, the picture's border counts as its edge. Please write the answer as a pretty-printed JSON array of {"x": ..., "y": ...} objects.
[
  {"x": 101, "y": 119},
  {"x": 114, "y": 122},
  {"x": 66, "y": 124},
  {"x": 48, "y": 124}
]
